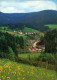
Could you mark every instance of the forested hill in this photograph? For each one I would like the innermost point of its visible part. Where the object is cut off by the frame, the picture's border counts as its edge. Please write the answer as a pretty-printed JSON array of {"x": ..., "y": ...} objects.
[{"x": 35, "y": 20}]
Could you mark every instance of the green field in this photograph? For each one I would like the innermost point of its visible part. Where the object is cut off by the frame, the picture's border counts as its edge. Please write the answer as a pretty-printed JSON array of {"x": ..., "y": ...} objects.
[
  {"x": 26, "y": 29},
  {"x": 52, "y": 26},
  {"x": 16, "y": 71},
  {"x": 11, "y": 31},
  {"x": 23, "y": 35},
  {"x": 27, "y": 55},
  {"x": 3, "y": 28}
]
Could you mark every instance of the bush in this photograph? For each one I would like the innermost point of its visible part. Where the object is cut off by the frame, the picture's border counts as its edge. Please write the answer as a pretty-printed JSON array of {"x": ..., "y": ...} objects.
[
  {"x": 11, "y": 55},
  {"x": 42, "y": 57},
  {"x": 51, "y": 59},
  {"x": 55, "y": 57},
  {"x": 47, "y": 58},
  {"x": 52, "y": 67},
  {"x": 3, "y": 55}
]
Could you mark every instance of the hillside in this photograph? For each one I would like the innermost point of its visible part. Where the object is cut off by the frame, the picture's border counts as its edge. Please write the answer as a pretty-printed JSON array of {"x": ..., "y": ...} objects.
[
  {"x": 51, "y": 27},
  {"x": 26, "y": 29},
  {"x": 10, "y": 70},
  {"x": 35, "y": 20}
]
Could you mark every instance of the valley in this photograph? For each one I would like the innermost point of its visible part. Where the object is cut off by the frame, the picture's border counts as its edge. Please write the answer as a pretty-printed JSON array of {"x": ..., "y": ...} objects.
[{"x": 28, "y": 45}]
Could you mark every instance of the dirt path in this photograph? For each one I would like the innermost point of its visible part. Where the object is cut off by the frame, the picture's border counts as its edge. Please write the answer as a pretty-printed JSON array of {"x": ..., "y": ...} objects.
[{"x": 34, "y": 45}]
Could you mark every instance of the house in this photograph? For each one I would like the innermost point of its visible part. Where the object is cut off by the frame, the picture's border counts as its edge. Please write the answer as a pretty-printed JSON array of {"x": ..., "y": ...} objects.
[
  {"x": 25, "y": 32},
  {"x": 14, "y": 31},
  {"x": 28, "y": 32},
  {"x": 19, "y": 32}
]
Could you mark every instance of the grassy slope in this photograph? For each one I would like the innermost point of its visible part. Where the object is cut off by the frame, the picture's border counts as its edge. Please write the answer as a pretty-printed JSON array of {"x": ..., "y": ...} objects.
[
  {"x": 26, "y": 29},
  {"x": 16, "y": 71},
  {"x": 32, "y": 55},
  {"x": 11, "y": 31},
  {"x": 52, "y": 26}
]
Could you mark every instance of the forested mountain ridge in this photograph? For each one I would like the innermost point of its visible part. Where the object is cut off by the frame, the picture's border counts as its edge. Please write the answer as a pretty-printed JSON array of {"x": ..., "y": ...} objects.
[{"x": 35, "y": 20}]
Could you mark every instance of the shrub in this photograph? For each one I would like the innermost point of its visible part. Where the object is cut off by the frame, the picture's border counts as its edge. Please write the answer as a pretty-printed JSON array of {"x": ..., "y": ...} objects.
[
  {"x": 52, "y": 67},
  {"x": 11, "y": 55},
  {"x": 3, "y": 55},
  {"x": 47, "y": 58},
  {"x": 51, "y": 59}
]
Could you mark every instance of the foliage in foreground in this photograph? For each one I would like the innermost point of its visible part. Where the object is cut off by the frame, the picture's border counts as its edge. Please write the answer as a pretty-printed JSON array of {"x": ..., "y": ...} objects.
[
  {"x": 13, "y": 71},
  {"x": 44, "y": 60},
  {"x": 10, "y": 45}
]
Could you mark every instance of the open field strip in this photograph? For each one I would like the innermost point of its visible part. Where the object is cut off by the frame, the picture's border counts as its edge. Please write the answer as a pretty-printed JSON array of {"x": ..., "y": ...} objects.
[
  {"x": 52, "y": 26},
  {"x": 31, "y": 55}
]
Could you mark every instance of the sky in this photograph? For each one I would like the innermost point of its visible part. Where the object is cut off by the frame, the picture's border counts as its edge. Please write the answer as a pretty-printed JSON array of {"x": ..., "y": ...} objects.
[{"x": 25, "y": 6}]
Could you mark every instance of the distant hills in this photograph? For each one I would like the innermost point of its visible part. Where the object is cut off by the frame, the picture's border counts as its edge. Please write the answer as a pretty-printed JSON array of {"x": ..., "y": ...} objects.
[{"x": 35, "y": 20}]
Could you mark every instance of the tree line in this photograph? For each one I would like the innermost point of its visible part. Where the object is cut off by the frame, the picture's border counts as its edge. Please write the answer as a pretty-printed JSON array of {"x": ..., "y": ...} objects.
[{"x": 10, "y": 44}]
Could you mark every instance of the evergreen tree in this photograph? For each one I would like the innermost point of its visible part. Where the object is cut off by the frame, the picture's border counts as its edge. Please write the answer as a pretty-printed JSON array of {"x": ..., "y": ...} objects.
[{"x": 50, "y": 42}]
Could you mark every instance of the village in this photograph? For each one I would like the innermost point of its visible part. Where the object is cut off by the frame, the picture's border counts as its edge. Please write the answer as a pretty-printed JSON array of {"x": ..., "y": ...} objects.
[
  {"x": 34, "y": 47},
  {"x": 20, "y": 32}
]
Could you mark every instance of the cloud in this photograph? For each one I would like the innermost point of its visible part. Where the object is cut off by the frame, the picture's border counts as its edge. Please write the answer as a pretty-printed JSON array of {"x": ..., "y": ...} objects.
[
  {"x": 11, "y": 10},
  {"x": 26, "y": 6}
]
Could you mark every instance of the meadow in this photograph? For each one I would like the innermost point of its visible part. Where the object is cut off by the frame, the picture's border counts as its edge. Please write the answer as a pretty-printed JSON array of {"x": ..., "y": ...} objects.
[
  {"x": 12, "y": 31},
  {"x": 26, "y": 29},
  {"x": 52, "y": 26},
  {"x": 27, "y": 55},
  {"x": 10, "y": 70}
]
